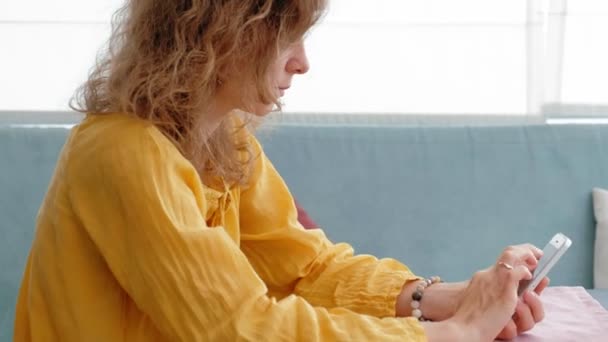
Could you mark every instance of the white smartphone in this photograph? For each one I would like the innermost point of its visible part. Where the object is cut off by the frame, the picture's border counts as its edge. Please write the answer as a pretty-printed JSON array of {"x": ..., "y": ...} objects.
[{"x": 557, "y": 246}]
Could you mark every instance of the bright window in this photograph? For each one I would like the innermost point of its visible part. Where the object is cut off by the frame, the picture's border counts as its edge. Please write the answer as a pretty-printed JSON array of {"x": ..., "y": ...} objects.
[{"x": 395, "y": 56}]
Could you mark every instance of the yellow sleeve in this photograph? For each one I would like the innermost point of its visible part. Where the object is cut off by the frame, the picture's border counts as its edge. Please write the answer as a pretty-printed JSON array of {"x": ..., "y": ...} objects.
[
  {"x": 141, "y": 203},
  {"x": 293, "y": 260}
]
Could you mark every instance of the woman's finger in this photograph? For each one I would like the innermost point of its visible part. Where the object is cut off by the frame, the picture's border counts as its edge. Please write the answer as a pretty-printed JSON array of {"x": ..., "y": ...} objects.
[
  {"x": 509, "y": 332},
  {"x": 535, "y": 250},
  {"x": 518, "y": 273},
  {"x": 532, "y": 254},
  {"x": 542, "y": 285},
  {"x": 523, "y": 318},
  {"x": 535, "y": 306},
  {"x": 517, "y": 255},
  {"x": 511, "y": 276}
]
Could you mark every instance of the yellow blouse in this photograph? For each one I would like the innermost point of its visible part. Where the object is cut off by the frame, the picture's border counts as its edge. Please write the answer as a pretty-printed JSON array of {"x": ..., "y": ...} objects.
[{"x": 131, "y": 246}]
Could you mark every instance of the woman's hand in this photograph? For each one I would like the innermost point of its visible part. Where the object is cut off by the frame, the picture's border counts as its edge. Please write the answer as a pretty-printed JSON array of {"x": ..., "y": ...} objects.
[
  {"x": 528, "y": 312},
  {"x": 490, "y": 299}
]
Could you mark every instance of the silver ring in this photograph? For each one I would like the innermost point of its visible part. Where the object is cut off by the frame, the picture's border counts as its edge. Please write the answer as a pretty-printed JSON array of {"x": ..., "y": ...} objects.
[{"x": 505, "y": 265}]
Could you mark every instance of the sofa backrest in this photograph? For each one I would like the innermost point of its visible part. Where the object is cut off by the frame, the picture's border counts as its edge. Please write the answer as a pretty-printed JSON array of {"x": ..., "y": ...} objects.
[
  {"x": 447, "y": 200},
  {"x": 27, "y": 161}
]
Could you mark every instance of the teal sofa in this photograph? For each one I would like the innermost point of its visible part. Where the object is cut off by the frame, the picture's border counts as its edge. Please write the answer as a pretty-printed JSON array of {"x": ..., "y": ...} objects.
[{"x": 443, "y": 199}]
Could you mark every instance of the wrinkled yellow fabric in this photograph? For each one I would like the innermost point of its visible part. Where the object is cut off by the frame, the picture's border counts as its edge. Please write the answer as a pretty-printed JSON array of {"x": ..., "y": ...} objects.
[{"x": 131, "y": 246}]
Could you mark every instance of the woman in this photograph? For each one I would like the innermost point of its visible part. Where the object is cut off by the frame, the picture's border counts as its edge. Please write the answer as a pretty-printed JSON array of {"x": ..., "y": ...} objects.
[{"x": 165, "y": 220}]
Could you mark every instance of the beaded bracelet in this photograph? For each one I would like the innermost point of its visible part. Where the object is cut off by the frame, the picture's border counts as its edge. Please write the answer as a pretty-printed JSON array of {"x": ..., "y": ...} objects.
[{"x": 417, "y": 296}]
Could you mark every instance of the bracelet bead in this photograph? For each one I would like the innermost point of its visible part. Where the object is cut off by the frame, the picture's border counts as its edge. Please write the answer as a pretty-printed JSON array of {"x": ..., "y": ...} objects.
[{"x": 418, "y": 294}]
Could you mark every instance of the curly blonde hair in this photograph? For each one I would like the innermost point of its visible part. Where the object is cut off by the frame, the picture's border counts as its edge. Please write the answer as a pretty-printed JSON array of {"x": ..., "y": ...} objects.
[{"x": 166, "y": 60}]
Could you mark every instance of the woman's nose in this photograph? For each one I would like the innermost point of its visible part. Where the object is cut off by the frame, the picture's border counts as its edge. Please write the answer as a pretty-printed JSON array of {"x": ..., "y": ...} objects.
[{"x": 298, "y": 62}]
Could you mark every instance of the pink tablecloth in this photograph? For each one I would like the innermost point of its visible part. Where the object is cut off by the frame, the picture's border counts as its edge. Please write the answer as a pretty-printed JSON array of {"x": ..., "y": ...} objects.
[{"x": 572, "y": 315}]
